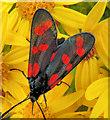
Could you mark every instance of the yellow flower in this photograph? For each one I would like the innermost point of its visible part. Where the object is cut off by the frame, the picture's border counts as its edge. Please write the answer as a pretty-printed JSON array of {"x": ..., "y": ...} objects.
[
  {"x": 57, "y": 103},
  {"x": 100, "y": 31},
  {"x": 13, "y": 82},
  {"x": 99, "y": 90},
  {"x": 70, "y": 19},
  {"x": 21, "y": 15},
  {"x": 88, "y": 70}
]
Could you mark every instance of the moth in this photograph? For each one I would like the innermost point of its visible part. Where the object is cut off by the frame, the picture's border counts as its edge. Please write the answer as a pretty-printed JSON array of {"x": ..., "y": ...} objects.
[{"x": 51, "y": 59}]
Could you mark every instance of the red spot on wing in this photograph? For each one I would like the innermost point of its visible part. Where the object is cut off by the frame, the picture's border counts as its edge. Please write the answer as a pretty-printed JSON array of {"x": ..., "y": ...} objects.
[
  {"x": 35, "y": 69},
  {"x": 38, "y": 30},
  {"x": 65, "y": 58},
  {"x": 79, "y": 41},
  {"x": 55, "y": 83},
  {"x": 53, "y": 78},
  {"x": 34, "y": 50},
  {"x": 53, "y": 55},
  {"x": 80, "y": 51},
  {"x": 43, "y": 47},
  {"x": 69, "y": 67},
  {"x": 29, "y": 70},
  {"x": 46, "y": 25}
]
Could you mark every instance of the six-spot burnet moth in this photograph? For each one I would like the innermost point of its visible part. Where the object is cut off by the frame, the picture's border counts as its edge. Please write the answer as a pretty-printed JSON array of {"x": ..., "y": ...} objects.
[{"x": 50, "y": 60}]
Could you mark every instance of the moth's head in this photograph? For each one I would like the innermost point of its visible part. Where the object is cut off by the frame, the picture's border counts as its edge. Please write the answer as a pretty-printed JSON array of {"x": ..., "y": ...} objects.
[{"x": 33, "y": 99}]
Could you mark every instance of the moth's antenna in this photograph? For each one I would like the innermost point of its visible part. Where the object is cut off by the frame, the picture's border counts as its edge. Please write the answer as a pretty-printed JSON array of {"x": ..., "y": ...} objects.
[
  {"x": 13, "y": 107},
  {"x": 41, "y": 110}
]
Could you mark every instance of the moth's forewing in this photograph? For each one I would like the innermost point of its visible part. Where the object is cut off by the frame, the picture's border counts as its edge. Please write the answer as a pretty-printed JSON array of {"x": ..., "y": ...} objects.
[
  {"x": 43, "y": 41},
  {"x": 70, "y": 54}
]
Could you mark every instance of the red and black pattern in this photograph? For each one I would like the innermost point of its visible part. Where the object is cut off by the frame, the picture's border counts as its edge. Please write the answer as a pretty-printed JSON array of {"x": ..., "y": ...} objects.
[
  {"x": 43, "y": 42},
  {"x": 50, "y": 62},
  {"x": 71, "y": 52}
]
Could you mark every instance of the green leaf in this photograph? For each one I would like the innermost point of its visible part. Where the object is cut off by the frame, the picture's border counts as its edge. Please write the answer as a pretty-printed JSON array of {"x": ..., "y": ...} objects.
[
  {"x": 83, "y": 7},
  {"x": 105, "y": 68},
  {"x": 7, "y": 48},
  {"x": 13, "y": 7},
  {"x": 72, "y": 86},
  {"x": 61, "y": 29},
  {"x": 82, "y": 108}
]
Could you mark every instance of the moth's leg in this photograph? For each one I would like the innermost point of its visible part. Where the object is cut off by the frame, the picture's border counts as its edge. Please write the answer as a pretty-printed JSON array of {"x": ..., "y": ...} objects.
[
  {"x": 64, "y": 83},
  {"x": 60, "y": 41},
  {"x": 41, "y": 110},
  {"x": 27, "y": 40},
  {"x": 33, "y": 108},
  {"x": 20, "y": 71},
  {"x": 28, "y": 95},
  {"x": 45, "y": 100}
]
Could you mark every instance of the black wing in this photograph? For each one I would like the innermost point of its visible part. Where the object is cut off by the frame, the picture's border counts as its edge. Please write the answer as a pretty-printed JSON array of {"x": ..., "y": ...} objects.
[
  {"x": 70, "y": 54},
  {"x": 43, "y": 41}
]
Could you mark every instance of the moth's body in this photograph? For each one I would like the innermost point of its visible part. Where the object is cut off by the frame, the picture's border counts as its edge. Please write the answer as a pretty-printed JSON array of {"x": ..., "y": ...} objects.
[{"x": 38, "y": 86}]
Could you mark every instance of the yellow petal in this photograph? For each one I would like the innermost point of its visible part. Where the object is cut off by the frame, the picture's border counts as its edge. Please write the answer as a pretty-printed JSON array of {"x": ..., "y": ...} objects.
[
  {"x": 15, "y": 89},
  {"x": 17, "y": 55},
  {"x": 17, "y": 24},
  {"x": 5, "y": 106},
  {"x": 71, "y": 18},
  {"x": 78, "y": 76},
  {"x": 18, "y": 115},
  {"x": 62, "y": 88},
  {"x": 70, "y": 30},
  {"x": 67, "y": 3},
  {"x": 24, "y": 28},
  {"x": 72, "y": 108},
  {"x": 4, "y": 19},
  {"x": 101, "y": 47},
  {"x": 85, "y": 79},
  {"x": 16, "y": 39},
  {"x": 96, "y": 88},
  {"x": 20, "y": 106},
  {"x": 6, "y": 6},
  {"x": 101, "y": 34},
  {"x": 90, "y": 103},
  {"x": 19, "y": 77},
  {"x": 4, "y": 103},
  {"x": 103, "y": 25},
  {"x": 13, "y": 18},
  {"x": 72, "y": 115},
  {"x": 106, "y": 113},
  {"x": 104, "y": 72},
  {"x": 101, "y": 105},
  {"x": 63, "y": 102},
  {"x": 94, "y": 16},
  {"x": 22, "y": 66},
  {"x": 93, "y": 66},
  {"x": 62, "y": 35}
]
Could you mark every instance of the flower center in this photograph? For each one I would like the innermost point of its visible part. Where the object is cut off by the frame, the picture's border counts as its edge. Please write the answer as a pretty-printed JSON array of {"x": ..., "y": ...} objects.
[
  {"x": 27, "y": 111},
  {"x": 5, "y": 71},
  {"x": 91, "y": 53},
  {"x": 27, "y": 9}
]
